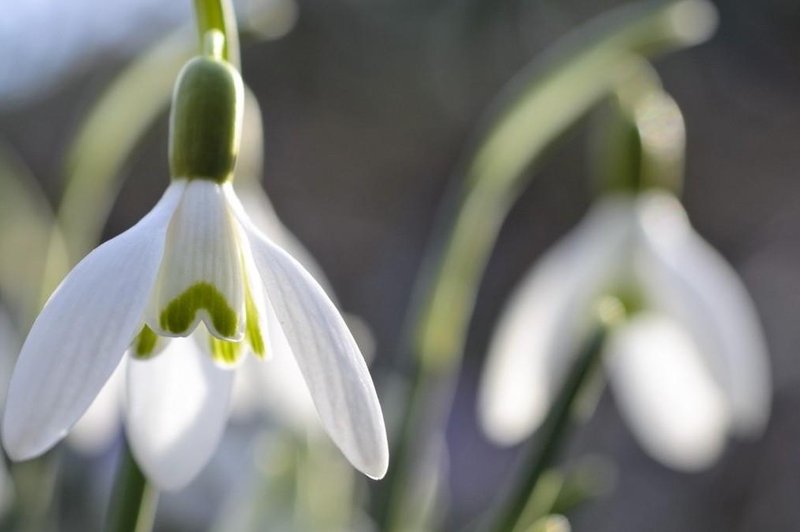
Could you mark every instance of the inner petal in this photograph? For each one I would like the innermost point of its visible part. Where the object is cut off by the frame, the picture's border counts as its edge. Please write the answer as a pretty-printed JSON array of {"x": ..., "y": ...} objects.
[
  {"x": 255, "y": 303},
  {"x": 201, "y": 277},
  {"x": 147, "y": 344}
]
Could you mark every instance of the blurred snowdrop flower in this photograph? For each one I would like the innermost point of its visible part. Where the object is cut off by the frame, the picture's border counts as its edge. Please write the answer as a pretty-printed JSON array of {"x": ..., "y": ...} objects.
[
  {"x": 195, "y": 259},
  {"x": 688, "y": 368}
]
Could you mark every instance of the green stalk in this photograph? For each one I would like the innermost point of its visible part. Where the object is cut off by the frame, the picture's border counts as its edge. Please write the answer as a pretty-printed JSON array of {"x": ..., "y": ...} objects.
[
  {"x": 550, "y": 436},
  {"x": 540, "y": 104},
  {"x": 219, "y": 15},
  {"x": 134, "y": 501}
]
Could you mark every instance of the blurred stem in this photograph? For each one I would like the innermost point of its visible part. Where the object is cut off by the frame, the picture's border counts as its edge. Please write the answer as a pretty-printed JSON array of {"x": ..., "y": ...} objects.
[
  {"x": 35, "y": 484},
  {"x": 219, "y": 15},
  {"x": 133, "y": 501},
  {"x": 550, "y": 436},
  {"x": 540, "y": 104},
  {"x": 640, "y": 141},
  {"x": 124, "y": 112}
]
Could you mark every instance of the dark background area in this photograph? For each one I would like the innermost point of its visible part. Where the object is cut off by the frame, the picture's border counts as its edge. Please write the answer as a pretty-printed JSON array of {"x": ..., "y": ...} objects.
[{"x": 368, "y": 105}]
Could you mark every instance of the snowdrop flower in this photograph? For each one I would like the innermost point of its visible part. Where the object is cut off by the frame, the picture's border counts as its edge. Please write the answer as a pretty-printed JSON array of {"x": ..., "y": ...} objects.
[
  {"x": 187, "y": 291},
  {"x": 687, "y": 369},
  {"x": 276, "y": 387}
]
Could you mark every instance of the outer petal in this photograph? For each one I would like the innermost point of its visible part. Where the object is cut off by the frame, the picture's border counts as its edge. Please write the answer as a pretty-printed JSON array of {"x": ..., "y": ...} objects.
[
  {"x": 81, "y": 334},
  {"x": 665, "y": 391},
  {"x": 176, "y": 411},
  {"x": 98, "y": 426},
  {"x": 201, "y": 274},
  {"x": 688, "y": 279},
  {"x": 326, "y": 353},
  {"x": 543, "y": 325}
]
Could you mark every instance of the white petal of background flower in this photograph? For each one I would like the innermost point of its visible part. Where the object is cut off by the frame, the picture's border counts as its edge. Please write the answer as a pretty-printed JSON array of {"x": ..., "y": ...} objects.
[
  {"x": 202, "y": 247},
  {"x": 176, "y": 411},
  {"x": 691, "y": 281},
  {"x": 547, "y": 318},
  {"x": 81, "y": 334},
  {"x": 327, "y": 354},
  {"x": 666, "y": 393}
]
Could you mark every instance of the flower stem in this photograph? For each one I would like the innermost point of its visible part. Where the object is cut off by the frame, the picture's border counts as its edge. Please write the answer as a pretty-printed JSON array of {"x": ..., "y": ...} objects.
[
  {"x": 219, "y": 15},
  {"x": 134, "y": 501},
  {"x": 549, "y": 437}
]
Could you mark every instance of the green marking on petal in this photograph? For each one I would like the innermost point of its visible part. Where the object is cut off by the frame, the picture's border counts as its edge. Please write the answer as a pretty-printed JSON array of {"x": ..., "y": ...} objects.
[
  {"x": 180, "y": 313},
  {"x": 252, "y": 330},
  {"x": 225, "y": 352},
  {"x": 144, "y": 344}
]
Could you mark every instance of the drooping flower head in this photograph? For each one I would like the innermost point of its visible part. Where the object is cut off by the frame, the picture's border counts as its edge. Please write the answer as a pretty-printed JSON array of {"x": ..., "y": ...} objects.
[
  {"x": 188, "y": 292},
  {"x": 688, "y": 368}
]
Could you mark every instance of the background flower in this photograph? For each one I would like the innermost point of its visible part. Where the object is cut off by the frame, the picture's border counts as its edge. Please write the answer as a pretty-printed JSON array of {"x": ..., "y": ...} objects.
[{"x": 691, "y": 364}]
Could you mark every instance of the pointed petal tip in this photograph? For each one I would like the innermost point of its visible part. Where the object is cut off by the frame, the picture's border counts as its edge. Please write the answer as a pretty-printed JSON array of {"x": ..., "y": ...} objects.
[
  {"x": 22, "y": 442},
  {"x": 375, "y": 467}
]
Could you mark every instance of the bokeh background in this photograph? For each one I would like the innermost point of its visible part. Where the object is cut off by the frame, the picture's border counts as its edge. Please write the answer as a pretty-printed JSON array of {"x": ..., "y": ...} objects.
[{"x": 367, "y": 105}]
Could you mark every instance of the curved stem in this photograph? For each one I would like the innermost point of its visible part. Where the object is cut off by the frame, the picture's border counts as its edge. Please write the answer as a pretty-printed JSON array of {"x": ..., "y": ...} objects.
[
  {"x": 134, "y": 501},
  {"x": 219, "y": 15},
  {"x": 535, "y": 109}
]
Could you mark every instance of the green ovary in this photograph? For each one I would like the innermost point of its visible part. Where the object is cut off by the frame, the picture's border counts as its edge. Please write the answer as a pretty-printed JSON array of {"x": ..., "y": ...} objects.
[{"x": 179, "y": 315}]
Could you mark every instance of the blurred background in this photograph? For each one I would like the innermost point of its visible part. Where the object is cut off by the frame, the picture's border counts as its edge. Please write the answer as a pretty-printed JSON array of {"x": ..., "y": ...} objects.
[{"x": 367, "y": 106}]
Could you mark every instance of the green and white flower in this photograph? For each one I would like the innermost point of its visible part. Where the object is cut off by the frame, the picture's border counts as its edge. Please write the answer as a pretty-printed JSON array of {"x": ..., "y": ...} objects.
[
  {"x": 188, "y": 292},
  {"x": 688, "y": 368}
]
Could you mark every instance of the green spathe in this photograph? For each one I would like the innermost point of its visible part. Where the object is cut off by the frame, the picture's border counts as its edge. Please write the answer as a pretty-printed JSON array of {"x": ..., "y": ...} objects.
[
  {"x": 180, "y": 313},
  {"x": 206, "y": 120}
]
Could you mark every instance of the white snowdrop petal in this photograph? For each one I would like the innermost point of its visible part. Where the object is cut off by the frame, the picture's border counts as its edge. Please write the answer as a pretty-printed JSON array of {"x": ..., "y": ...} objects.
[
  {"x": 95, "y": 430},
  {"x": 177, "y": 408},
  {"x": 325, "y": 351},
  {"x": 81, "y": 334},
  {"x": 685, "y": 277},
  {"x": 666, "y": 393},
  {"x": 201, "y": 275},
  {"x": 547, "y": 318},
  {"x": 276, "y": 383}
]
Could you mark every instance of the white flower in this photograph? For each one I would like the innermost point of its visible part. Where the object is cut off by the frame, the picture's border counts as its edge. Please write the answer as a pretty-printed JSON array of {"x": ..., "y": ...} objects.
[
  {"x": 687, "y": 369},
  {"x": 196, "y": 257}
]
